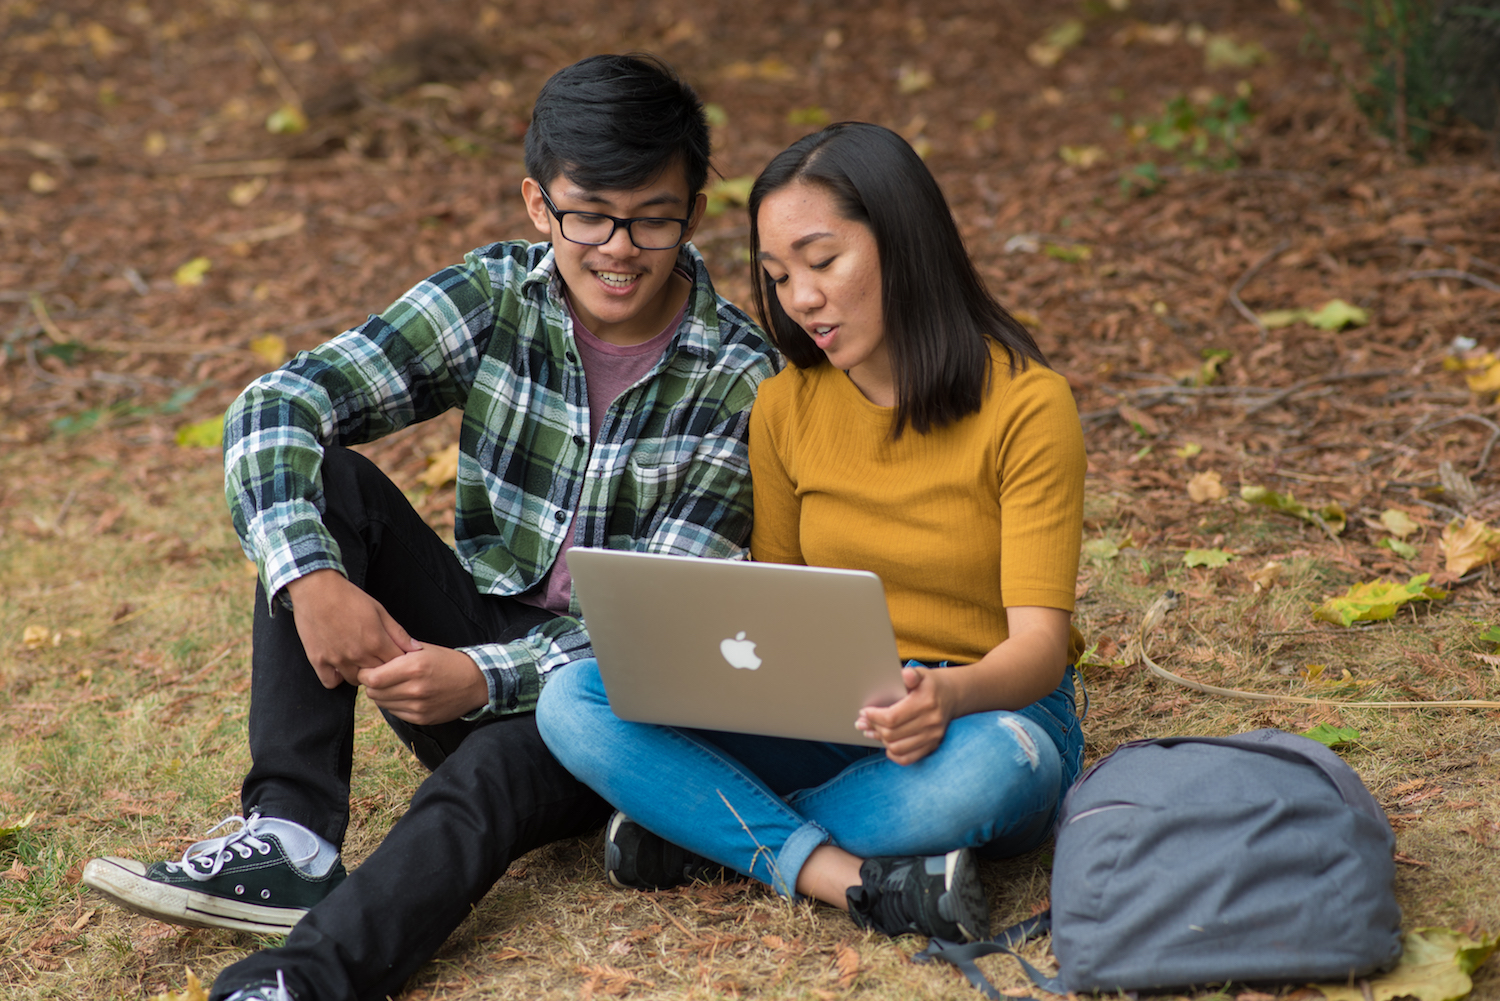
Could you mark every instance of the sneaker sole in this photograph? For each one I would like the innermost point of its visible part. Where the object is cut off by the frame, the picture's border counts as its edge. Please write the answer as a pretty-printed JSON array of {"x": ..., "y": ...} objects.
[
  {"x": 963, "y": 901},
  {"x": 612, "y": 851},
  {"x": 124, "y": 881}
]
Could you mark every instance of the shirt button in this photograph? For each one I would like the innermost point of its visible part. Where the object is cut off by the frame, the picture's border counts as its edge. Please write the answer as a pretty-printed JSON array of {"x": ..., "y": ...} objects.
[
  {"x": 578, "y": 440},
  {"x": 571, "y": 357},
  {"x": 560, "y": 517}
]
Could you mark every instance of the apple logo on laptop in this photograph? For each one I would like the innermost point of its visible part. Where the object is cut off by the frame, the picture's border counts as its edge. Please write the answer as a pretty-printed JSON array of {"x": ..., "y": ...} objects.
[{"x": 740, "y": 652}]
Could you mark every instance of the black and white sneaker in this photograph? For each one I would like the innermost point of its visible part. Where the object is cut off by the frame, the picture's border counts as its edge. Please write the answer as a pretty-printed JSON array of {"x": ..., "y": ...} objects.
[
  {"x": 636, "y": 859},
  {"x": 939, "y": 896},
  {"x": 264, "y": 991},
  {"x": 243, "y": 880}
]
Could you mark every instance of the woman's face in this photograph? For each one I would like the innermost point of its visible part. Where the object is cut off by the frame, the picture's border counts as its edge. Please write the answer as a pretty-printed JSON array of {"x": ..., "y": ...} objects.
[{"x": 825, "y": 271}]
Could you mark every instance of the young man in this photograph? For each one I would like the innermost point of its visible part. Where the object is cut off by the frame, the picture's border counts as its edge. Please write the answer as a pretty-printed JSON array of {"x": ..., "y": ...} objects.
[{"x": 606, "y": 392}]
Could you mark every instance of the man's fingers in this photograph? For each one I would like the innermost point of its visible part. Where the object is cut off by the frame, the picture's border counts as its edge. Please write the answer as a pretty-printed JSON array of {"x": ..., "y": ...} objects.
[
  {"x": 397, "y": 635},
  {"x": 328, "y": 677}
]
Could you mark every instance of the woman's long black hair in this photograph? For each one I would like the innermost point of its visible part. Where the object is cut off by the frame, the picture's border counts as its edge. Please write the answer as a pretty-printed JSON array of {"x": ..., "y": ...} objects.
[{"x": 939, "y": 317}]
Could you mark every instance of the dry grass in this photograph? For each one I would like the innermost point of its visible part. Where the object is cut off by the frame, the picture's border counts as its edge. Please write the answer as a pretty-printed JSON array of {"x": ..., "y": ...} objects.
[{"x": 127, "y": 736}]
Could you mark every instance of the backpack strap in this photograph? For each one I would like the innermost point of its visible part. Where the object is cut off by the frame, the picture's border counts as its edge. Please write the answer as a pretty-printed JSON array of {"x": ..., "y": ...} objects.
[{"x": 963, "y": 955}]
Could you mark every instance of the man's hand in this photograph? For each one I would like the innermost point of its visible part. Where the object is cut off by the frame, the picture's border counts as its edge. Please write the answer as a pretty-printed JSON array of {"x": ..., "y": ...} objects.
[
  {"x": 432, "y": 684},
  {"x": 912, "y": 728},
  {"x": 343, "y": 629}
]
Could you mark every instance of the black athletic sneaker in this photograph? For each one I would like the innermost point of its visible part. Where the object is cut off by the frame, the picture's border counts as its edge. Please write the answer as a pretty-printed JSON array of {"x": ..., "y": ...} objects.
[
  {"x": 636, "y": 859},
  {"x": 243, "y": 880},
  {"x": 264, "y": 991},
  {"x": 939, "y": 896}
]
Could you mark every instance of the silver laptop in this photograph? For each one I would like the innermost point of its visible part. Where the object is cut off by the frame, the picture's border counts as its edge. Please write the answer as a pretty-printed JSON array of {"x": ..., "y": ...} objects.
[{"x": 788, "y": 651}]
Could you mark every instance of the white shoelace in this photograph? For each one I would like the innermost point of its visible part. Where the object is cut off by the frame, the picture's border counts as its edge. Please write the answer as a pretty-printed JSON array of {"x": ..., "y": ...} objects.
[{"x": 203, "y": 859}]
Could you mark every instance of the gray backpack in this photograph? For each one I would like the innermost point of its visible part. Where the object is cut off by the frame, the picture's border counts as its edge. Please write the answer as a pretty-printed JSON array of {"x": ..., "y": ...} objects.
[{"x": 1187, "y": 861}]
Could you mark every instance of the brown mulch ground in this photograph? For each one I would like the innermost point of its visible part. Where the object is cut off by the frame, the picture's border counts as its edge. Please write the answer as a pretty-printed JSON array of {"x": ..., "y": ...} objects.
[{"x": 131, "y": 132}]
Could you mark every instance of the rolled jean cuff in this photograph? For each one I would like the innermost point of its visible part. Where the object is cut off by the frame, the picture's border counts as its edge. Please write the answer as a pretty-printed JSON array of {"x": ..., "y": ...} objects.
[{"x": 793, "y": 856}]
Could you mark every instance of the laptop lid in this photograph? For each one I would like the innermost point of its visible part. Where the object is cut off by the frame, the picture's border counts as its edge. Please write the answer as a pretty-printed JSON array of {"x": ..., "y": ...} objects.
[{"x": 767, "y": 648}]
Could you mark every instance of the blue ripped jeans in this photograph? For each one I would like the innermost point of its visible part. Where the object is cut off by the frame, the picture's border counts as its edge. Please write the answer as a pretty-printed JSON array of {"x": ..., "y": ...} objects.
[{"x": 760, "y": 805}]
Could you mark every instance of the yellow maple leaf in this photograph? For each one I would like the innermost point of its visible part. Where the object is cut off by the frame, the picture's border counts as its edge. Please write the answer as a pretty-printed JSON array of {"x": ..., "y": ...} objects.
[
  {"x": 1376, "y": 600},
  {"x": 1468, "y": 545},
  {"x": 442, "y": 468}
]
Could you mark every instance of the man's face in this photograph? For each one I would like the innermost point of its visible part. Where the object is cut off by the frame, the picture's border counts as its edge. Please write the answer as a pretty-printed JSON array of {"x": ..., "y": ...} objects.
[{"x": 619, "y": 291}]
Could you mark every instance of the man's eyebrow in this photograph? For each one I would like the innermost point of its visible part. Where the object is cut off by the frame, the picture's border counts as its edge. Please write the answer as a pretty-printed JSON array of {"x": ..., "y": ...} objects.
[{"x": 598, "y": 198}]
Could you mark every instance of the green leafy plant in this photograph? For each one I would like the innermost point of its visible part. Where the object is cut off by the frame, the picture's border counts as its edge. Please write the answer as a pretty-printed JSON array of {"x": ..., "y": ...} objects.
[
  {"x": 1199, "y": 135},
  {"x": 1403, "y": 88}
]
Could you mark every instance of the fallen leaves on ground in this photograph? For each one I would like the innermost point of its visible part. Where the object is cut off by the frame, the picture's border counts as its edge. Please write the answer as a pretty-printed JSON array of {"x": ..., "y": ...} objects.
[
  {"x": 1436, "y": 965},
  {"x": 1332, "y": 736},
  {"x": 192, "y": 272},
  {"x": 1207, "y": 558},
  {"x": 10, "y": 829},
  {"x": 1330, "y": 516},
  {"x": 846, "y": 961},
  {"x": 192, "y": 992},
  {"x": 1206, "y": 486},
  {"x": 442, "y": 468},
  {"x": 1050, "y": 48},
  {"x": 1468, "y": 544},
  {"x": 1335, "y": 314},
  {"x": 1265, "y": 576},
  {"x": 207, "y": 433},
  {"x": 1376, "y": 600},
  {"x": 270, "y": 349},
  {"x": 1398, "y": 522}
]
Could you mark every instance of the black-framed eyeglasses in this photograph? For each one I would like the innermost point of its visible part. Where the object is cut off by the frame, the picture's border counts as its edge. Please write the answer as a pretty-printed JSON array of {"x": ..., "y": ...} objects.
[{"x": 594, "y": 229}]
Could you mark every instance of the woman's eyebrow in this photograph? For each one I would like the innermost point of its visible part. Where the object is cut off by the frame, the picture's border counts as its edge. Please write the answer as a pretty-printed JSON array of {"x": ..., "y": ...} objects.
[{"x": 797, "y": 244}]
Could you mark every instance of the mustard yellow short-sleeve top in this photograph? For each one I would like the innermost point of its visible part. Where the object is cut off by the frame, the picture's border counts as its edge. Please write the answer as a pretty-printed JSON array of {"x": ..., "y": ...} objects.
[{"x": 959, "y": 523}]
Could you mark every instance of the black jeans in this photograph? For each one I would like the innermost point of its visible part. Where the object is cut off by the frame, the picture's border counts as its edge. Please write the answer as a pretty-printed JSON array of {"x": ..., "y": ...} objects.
[{"x": 495, "y": 791}]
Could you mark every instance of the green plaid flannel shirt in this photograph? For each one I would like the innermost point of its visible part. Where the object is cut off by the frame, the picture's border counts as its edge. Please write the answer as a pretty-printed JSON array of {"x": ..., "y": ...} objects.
[{"x": 669, "y": 473}]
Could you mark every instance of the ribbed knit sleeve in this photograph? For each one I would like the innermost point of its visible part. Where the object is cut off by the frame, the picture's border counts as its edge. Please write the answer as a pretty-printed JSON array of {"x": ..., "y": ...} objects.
[{"x": 959, "y": 523}]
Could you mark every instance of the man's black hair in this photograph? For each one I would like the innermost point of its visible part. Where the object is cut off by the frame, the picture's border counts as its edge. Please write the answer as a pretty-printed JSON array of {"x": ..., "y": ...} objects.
[{"x": 615, "y": 123}]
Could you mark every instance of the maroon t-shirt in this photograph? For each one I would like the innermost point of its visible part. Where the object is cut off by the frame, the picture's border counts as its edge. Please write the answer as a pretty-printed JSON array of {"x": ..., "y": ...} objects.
[{"x": 608, "y": 370}]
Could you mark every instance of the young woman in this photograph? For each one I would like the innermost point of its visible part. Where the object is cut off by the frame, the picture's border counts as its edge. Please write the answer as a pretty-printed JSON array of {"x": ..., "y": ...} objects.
[{"x": 918, "y": 434}]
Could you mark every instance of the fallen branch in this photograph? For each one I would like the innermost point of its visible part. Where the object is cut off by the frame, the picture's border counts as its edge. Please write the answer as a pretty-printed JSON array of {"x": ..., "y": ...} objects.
[
  {"x": 1234, "y": 293},
  {"x": 273, "y": 69},
  {"x": 1420, "y": 241},
  {"x": 1168, "y": 601},
  {"x": 1297, "y": 387},
  {"x": 1484, "y": 283}
]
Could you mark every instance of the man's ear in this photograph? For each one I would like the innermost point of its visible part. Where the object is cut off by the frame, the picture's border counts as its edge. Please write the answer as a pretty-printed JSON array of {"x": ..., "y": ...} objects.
[
  {"x": 531, "y": 194},
  {"x": 700, "y": 205}
]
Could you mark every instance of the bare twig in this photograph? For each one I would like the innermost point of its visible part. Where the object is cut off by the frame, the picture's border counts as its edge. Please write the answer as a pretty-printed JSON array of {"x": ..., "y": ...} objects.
[
  {"x": 1423, "y": 425},
  {"x": 1474, "y": 262},
  {"x": 1454, "y": 273},
  {"x": 1297, "y": 387},
  {"x": 45, "y": 319},
  {"x": 1234, "y": 293},
  {"x": 1158, "y": 611},
  {"x": 273, "y": 69}
]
